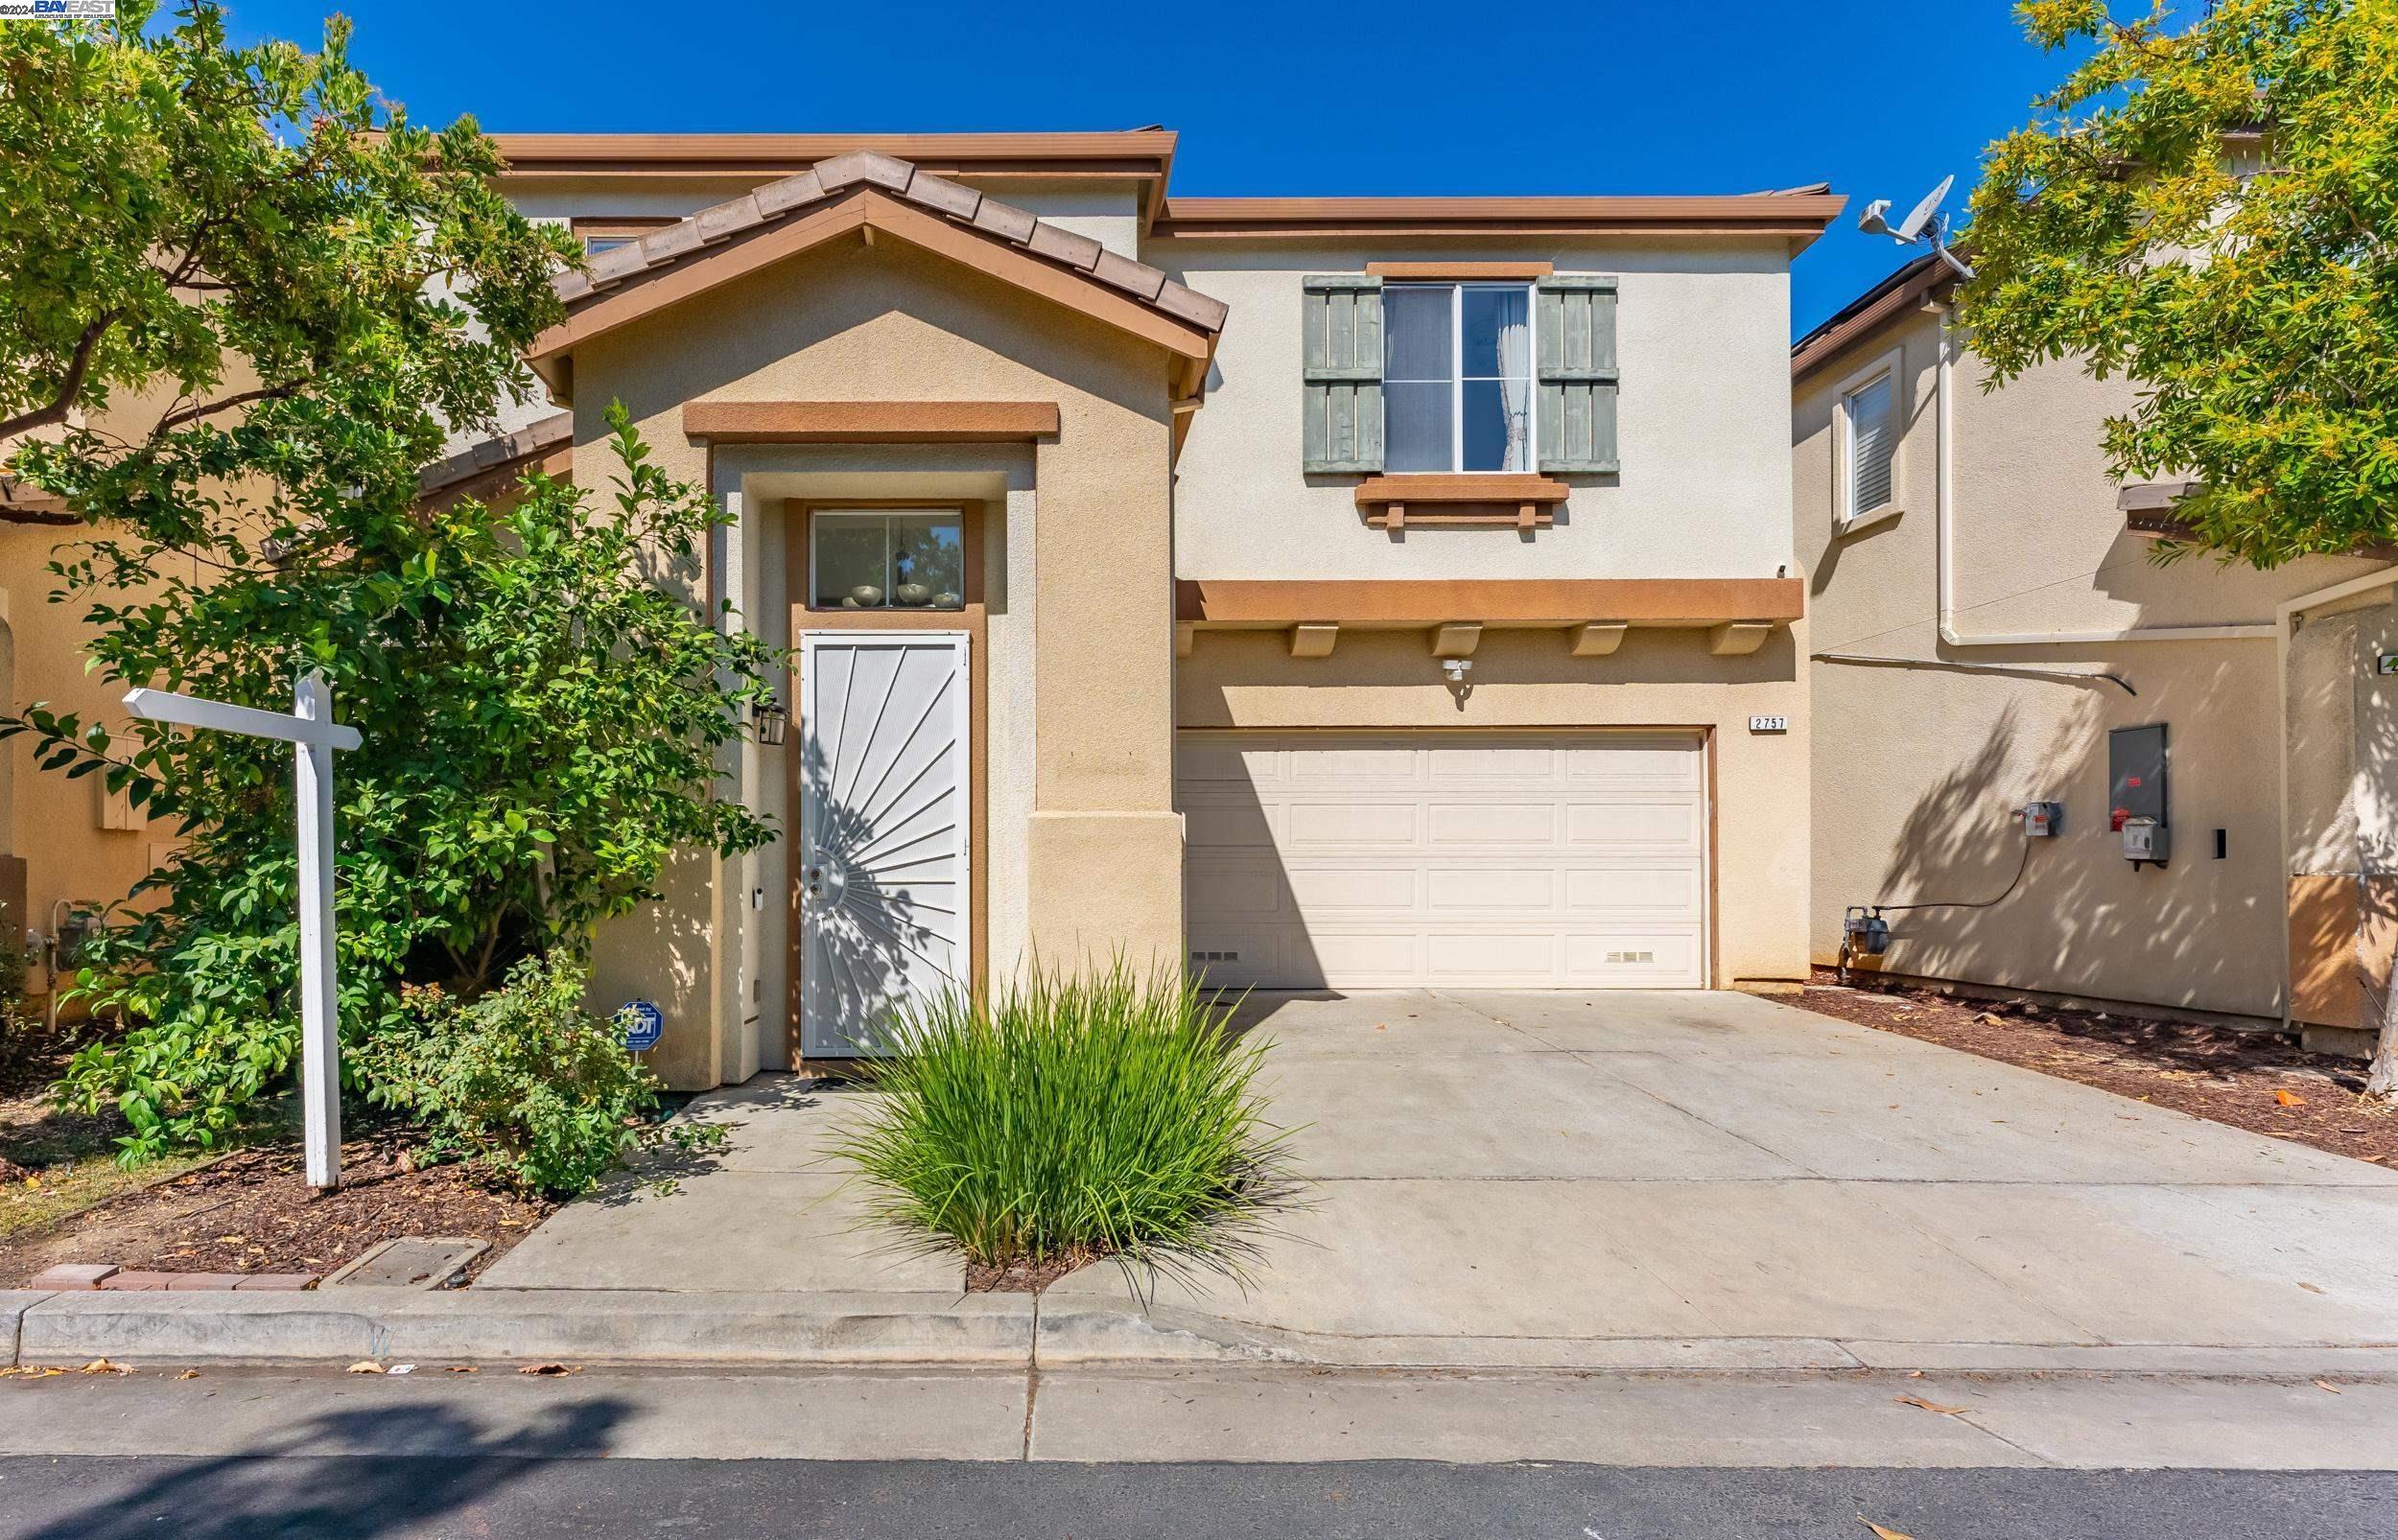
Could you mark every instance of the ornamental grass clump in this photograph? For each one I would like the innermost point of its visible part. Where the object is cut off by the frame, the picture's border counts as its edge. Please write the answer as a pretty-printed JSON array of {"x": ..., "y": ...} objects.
[{"x": 1071, "y": 1118}]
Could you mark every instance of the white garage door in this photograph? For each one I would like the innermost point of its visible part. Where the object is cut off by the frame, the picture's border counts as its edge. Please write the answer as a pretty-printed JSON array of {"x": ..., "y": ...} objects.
[{"x": 1391, "y": 859}]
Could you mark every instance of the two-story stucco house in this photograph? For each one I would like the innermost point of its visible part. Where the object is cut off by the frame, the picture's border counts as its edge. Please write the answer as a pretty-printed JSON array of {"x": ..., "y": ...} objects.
[
  {"x": 1989, "y": 630},
  {"x": 1319, "y": 593}
]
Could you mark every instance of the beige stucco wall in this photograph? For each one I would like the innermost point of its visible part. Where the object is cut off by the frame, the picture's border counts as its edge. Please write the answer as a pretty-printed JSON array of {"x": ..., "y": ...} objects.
[
  {"x": 1527, "y": 678},
  {"x": 61, "y": 827},
  {"x": 1917, "y": 768},
  {"x": 1101, "y": 857},
  {"x": 1704, "y": 489}
]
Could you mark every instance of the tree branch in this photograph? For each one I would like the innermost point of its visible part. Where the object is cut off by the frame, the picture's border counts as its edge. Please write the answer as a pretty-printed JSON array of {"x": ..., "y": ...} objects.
[{"x": 78, "y": 368}]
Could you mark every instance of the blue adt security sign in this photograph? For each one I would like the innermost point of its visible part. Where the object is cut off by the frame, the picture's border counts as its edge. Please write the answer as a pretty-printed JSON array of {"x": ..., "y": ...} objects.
[{"x": 644, "y": 1025}]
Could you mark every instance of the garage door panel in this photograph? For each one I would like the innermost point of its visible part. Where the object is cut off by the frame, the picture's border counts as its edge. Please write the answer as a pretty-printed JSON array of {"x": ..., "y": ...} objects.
[
  {"x": 1673, "y": 890},
  {"x": 1340, "y": 955},
  {"x": 1480, "y": 955},
  {"x": 1200, "y": 763},
  {"x": 1319, "y": 823},
  {"x": 1388, "y": 859},
  {"x": 1489, "y": 890},
  {"x": 1656, "y": 761},
  {"x": 1238, "y": 887},
  {"x": 1630, "y": 961},
  {"x": 1354, "y": 767},
  {"x": 1632, "y": 823},
  {"x": 1219, "y": 825},
  {"x": 1467, "y": 823},
  {"x": 1515, "y": 766},
  {"x": 1356, "y": 889}
]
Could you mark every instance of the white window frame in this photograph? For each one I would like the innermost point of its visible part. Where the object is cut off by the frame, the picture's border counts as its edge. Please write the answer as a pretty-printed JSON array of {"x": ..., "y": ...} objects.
[
  {"x": 1844, "y": 518},
  {"x": 1457, "y": 374},
  {"x": 819, "y": 518}
]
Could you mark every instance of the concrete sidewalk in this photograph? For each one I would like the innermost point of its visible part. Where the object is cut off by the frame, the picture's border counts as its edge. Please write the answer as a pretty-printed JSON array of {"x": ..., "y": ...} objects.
[{"x": 1525, "y": 1182}]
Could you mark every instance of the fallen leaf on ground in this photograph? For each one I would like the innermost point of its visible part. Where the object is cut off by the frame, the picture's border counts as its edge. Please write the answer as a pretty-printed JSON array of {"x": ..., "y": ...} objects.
[
  {"x": 1932, "y": 1406},
  {"x": 100, "y": 1366},
  {"x": 2326, "y": 1385},
  {"x": 189, "y": 1374},
  {"x": 2290, "y": 1099},
  {"x": 463, "y": 1368},
  {"x": 2310, "y": 1288},
  {"x": 1880, "y": 1533},
  {"x": 366, "y": 1366},
  {"x": 547, "y": 1368}
]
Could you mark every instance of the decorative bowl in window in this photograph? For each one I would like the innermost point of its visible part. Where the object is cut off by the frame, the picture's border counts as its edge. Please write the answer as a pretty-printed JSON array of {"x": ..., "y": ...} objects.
[
  {"x": 915, "y": 596},
  {"x": 865, "y": 596},
  {"x": 948, "y": 601}
]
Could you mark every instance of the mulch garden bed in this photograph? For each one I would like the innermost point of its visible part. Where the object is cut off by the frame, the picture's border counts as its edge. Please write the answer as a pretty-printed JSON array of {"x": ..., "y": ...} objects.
[
  {"x": 250, "y": 1212},
  {"x": 253, "y": 1211},
  {"x": 2260, "y": 1081}
]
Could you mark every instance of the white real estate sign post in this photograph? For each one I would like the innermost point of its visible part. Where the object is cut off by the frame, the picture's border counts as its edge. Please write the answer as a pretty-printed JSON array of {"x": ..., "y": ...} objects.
[{"x": 314, "y": 736}]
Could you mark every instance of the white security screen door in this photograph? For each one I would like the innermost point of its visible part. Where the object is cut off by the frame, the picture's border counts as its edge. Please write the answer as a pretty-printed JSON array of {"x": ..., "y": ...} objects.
[{"x": 885, "y": 830}]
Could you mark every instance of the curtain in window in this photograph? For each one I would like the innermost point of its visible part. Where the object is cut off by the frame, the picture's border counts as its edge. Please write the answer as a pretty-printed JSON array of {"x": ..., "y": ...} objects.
[{"x": 1515, "y": 371}]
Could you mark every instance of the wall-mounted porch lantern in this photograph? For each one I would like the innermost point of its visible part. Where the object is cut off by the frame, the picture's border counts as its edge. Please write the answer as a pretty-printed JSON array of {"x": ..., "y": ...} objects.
[{"x": 772, "y": 721}]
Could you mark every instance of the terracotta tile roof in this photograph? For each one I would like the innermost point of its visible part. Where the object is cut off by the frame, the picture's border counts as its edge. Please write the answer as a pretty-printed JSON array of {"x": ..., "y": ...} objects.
[
  {"x": 502, "y": 453},
  {"x": 21, "y": 502},
  {"x": 936, "y": 194}
]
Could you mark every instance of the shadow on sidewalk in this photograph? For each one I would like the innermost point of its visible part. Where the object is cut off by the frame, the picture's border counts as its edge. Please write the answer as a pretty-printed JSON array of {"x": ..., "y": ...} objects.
[{"x": 390, "y": 1470}]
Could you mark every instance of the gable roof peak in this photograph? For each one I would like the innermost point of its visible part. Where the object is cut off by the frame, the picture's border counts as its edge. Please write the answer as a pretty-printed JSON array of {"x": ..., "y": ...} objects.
[{"x": 861, "y": 170}]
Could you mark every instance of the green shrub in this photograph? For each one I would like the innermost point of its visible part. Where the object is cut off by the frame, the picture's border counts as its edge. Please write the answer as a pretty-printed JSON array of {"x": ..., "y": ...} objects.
[
  {"x": 524, "y": 1083},
  {"x": 1072, "y": 1118}
]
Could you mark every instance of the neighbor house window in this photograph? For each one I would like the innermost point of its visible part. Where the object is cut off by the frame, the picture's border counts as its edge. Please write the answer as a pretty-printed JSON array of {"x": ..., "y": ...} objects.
[
  {"x": 886, "y": 558},
  {"x": 598, "y": 235},
  {"x": 1869, "y": 442},
  {"x": 1457, "y": 377}
]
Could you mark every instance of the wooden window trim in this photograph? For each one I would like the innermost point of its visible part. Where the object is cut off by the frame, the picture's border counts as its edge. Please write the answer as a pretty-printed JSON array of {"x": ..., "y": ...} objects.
[{"x": 1463, "y": 271}]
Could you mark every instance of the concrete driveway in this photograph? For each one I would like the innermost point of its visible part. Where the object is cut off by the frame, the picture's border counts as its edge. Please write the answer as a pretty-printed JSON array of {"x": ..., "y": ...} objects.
[{"x": 1642, "y": 1179}]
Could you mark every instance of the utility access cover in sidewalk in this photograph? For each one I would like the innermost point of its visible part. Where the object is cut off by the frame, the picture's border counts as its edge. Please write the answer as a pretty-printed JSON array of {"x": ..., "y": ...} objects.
[{"x": 408, "y": 1262}]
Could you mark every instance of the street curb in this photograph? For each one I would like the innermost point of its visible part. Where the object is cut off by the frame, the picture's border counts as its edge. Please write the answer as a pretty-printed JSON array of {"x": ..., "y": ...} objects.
[
  {"x": 968, "y": 1331},
  {"x": 608, "y": 1326}
]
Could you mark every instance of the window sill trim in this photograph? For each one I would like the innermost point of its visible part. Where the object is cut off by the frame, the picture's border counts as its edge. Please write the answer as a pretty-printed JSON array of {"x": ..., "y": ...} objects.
[
  {"x": 1434, "y": 486},
  {"x": 1887, "y": 513}
]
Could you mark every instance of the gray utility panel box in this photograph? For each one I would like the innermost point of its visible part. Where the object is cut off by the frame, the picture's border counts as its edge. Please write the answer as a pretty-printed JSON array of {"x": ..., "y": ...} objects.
[{"x": 2137, "y": 809}]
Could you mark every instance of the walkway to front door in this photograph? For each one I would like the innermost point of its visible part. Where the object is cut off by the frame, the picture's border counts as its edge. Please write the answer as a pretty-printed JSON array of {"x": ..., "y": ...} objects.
[{"x": 1637, "y": 1179}]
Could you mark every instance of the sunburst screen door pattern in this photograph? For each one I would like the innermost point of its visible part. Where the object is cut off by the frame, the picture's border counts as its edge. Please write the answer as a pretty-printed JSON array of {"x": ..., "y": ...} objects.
[{"x": 885, "y": 830}]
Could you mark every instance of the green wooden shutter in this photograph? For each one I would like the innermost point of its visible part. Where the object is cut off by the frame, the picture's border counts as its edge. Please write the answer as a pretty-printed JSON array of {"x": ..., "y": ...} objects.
[
  {"x": 1575, "y": 340},
  {"x": 1341, "y": 324}
]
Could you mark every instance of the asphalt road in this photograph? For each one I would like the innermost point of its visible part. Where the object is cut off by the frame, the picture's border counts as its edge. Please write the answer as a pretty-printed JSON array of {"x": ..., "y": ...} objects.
[{"x": 419, "y": 1497}]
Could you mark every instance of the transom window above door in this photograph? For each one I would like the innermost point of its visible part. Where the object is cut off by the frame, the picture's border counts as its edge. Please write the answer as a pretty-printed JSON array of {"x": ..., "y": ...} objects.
[
  {"x": 886, "y": 558},
  {"x": 1457, "y": 381}
]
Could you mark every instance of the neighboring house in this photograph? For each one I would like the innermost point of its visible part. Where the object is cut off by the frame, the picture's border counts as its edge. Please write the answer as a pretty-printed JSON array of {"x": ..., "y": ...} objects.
[
  {"x": 1326, "y": 593},
  {"x": 1988, "y": 629}
]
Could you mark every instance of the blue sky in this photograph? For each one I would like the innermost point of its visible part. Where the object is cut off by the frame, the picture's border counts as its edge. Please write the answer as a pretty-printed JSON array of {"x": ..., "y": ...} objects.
[{"x": 1878, "y": 97}]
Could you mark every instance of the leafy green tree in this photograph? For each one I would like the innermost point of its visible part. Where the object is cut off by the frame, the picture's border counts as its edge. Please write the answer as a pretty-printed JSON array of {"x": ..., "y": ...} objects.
[
  {"x": 229, "y": 338},
  {"x": 2210, "y": 210}
]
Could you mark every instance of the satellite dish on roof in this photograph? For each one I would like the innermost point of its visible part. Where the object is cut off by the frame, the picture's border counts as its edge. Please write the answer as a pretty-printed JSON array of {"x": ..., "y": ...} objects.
[
  {"x": 1924, "y": 223},
  {"x": 1912, "y": 225}
]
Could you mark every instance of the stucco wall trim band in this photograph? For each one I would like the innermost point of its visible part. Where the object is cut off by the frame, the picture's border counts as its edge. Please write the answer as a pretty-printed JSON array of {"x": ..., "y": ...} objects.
[
  {"x": 1636, "y": 600},
  {"x": 870, "y": 422}
]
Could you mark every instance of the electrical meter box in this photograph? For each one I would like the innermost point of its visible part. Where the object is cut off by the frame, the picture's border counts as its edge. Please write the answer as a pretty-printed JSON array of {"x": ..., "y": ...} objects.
[
  {"x": 2135, "y": 766},
  {"x": 2041, "y": 820}
]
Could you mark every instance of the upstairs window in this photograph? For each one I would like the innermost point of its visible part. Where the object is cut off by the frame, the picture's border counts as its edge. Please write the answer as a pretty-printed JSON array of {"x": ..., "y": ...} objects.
[
  {"x": 1457, "y": 386},
  {"x": 1869, "y": 442}
]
